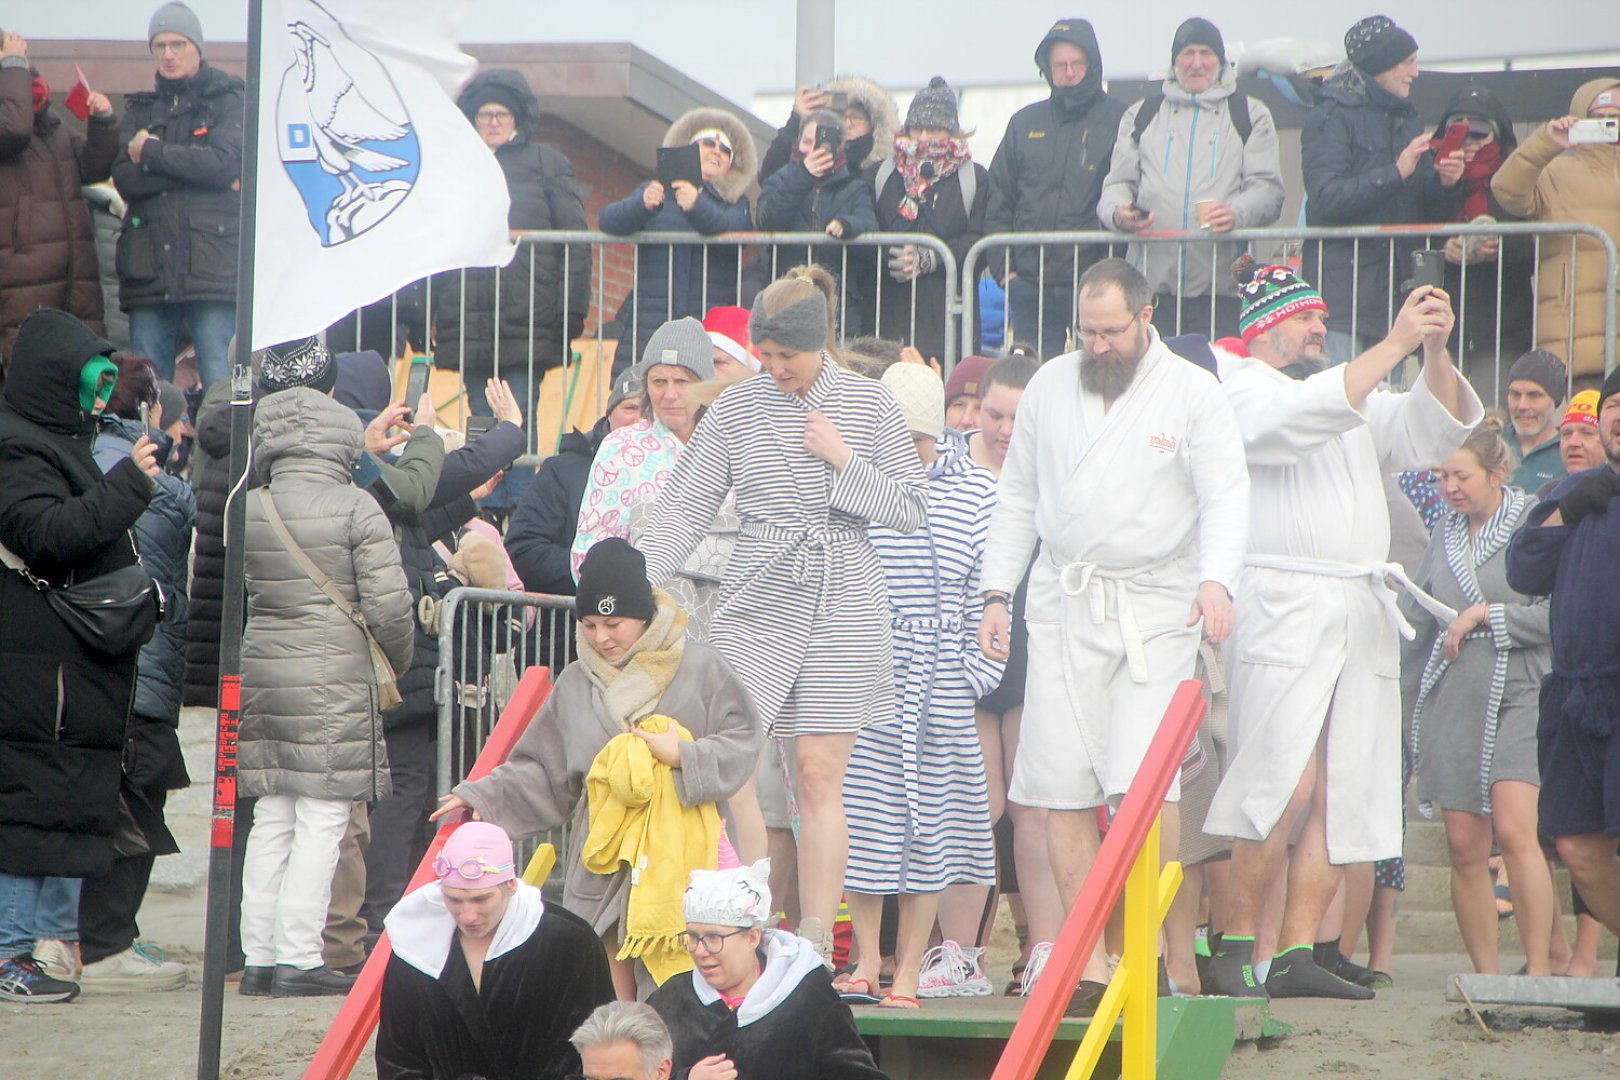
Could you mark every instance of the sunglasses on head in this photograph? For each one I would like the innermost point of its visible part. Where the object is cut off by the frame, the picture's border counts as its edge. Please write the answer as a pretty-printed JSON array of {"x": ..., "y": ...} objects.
[{"x": 710, "y": 143}]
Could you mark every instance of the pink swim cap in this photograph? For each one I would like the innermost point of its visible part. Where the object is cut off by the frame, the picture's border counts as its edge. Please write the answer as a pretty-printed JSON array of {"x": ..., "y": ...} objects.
[{"x": 476, "y": 856}]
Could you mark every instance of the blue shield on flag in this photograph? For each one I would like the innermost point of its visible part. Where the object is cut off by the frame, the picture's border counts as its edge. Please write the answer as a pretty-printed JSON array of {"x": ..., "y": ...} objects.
[{"x": 344, "y": 136}]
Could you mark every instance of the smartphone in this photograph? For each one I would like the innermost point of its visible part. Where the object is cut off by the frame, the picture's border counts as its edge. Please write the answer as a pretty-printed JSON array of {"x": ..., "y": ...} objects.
[
  {"x": 1599, "y": 129},
  {"x": 1451, "y": 142},
  {"x": 162, "y": 443},
  {"x": 1428, "y": 268},
  {"x": 838, "y": 100},
  {"x": 416, "y": 383},
  {"x": 828, "y": 137},
  {"x": 478, "y": 425}
]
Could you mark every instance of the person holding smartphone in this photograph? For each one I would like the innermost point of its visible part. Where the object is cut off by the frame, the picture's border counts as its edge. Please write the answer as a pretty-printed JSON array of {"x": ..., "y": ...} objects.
[{"x": 1550, "y": 178}]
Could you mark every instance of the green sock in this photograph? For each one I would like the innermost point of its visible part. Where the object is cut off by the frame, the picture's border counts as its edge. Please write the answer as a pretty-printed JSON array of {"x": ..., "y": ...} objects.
[
  {"x": 1294, "y": 948},
  {"x": 1237, "y": 937}
]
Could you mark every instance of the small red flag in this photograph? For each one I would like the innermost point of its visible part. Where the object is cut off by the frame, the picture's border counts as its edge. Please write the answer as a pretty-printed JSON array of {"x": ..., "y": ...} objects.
[{"x": 78, "y": 98}]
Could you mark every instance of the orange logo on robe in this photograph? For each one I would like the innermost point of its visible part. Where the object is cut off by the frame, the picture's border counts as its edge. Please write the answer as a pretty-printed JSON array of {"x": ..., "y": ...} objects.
[{"x": 1164, "y": 442}]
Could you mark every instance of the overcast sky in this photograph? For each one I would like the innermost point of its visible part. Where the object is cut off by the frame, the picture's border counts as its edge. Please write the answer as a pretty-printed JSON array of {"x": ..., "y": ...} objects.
[{"x": 903, "y": 42}]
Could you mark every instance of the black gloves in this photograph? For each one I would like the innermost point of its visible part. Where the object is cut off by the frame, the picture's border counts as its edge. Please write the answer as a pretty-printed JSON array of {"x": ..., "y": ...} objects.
[{"x": 1590, "y": 496}]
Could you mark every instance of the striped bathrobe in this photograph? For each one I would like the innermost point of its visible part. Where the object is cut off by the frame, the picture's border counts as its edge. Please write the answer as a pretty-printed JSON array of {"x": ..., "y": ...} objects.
[
  {"x": 915, "y": 795},
  {"x": 803, "y": 615}
]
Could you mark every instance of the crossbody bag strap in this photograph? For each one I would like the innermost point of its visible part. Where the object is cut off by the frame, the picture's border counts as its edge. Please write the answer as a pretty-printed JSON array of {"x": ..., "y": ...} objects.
[{"x": 305, "y": 563}]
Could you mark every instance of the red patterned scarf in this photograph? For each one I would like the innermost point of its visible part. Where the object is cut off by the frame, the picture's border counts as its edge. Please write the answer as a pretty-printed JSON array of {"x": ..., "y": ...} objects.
[{"x": 922, "y": 163}]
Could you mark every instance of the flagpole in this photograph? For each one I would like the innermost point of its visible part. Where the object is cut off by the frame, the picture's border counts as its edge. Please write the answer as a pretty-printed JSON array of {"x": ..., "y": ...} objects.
[{"x": 215, "y": 943}]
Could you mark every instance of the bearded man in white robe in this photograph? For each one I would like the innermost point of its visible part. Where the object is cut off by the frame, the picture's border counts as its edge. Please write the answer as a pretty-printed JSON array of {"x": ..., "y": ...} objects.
[
  {"x": 1127, "y": 466},
  {"x": 1314, "y": 664}
]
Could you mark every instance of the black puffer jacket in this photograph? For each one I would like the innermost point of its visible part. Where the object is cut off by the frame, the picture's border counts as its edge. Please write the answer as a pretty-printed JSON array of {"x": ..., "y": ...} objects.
[
  {"x": 541, "y": 535},
  {"x": 184, "y": 222},
  {"x": 64, "y": 709},
  {"x": 1348, "y": 148},
  {"x": 545, "y": 195},
  {"x": 794, "y": 200},
  {"x": 1049, "y": 170}
]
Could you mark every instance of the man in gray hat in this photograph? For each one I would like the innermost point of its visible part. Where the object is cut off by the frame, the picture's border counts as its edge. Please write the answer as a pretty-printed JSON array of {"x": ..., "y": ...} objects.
[
  {"x": 1537, "y": 384},
  {"x": 180, "y": 172}
]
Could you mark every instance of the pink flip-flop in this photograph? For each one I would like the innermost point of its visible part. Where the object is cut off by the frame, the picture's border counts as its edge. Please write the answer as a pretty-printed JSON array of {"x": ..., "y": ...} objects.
[{"x": 899, "y": 1001}]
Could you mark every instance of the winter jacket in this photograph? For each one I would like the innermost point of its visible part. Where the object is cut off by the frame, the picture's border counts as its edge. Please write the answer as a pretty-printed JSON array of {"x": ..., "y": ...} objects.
[
  {"x": 185, "y": 218},
  {"x": 1348, "y": 149},
  {"x": 64, "y": 708},
  {"x": 684, "y": 279},
  {"x": 794, "y": 200},
  {"x": 1542, "y": 182},
  {"x": 414, "y": 477},
  {"x": 47, "y": 247},
  {"x": 791, "y": 1024},
  {"x": 1048, "y": 174},
  {"x": 1489, "y": 334},
  {"x": 106, "y": 221},
  {"x": 865, "y": 153},
  {"x": 543, "y": 526},
  {"x": 943, "y": 215},
  {"x": 310, "y": 726},
  {"x": 536, "y": 317},
  {"x": 1191, "y": 151}
]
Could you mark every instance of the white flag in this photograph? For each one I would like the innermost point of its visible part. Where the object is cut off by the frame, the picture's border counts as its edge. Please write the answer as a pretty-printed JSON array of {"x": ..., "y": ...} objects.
[{"x": 369, "y": 176}]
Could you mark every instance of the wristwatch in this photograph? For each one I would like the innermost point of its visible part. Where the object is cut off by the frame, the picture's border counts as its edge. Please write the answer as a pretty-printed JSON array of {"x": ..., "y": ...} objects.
[{"x": 998, "y": 598}]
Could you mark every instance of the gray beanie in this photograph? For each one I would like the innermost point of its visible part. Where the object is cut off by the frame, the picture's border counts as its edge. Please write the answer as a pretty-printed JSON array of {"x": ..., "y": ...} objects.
[
  {"x": 176, "y": 18},
  {"x": 683, "y": 343},
  {"x": 1541, "y": 367},
  {"x": 934, "y": 106},
  {"x": 801, "y": 327}
]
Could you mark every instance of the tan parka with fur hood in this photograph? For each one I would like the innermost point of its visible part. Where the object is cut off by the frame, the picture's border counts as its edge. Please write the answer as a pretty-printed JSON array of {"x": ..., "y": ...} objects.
[
  {"x": 1543, "y": 182},
  {"x": 310, "y": 726}
]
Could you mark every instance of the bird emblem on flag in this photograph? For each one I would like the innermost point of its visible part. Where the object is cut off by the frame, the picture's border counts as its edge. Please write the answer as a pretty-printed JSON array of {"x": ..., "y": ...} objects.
[{"x": 344, "y": 135}]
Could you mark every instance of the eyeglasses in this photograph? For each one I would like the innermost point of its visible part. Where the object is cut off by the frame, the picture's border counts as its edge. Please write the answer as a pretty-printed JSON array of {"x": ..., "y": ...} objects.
[
  {"x": 1111, "y": 334},
  {"x": 715, "y": 144},
  {"x": 470, "y": 870},
  {"x": 493, "y": 116},
  {"x": 172, "y": 48},
  {"x": 712, "y": 942},
  {"x": 1076, "y": 66}
]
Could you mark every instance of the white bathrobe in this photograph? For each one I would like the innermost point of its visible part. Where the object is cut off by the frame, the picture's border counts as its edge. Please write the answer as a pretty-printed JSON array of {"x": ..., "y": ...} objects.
[
  {"x": 1317, "y": 628},
  {"x": 1134, "y": 506}
]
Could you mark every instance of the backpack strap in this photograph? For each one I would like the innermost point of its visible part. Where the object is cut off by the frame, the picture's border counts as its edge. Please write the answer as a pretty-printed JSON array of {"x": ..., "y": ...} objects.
[
  {"x": 967, "y": 178},
  {"x": 881, "y": 177},
  {"x": 1237, "y": 108},
  {"x": 1145, "y": 114}
]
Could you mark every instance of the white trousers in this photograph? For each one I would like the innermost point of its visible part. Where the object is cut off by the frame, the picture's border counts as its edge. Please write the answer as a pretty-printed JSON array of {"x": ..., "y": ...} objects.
[{"x": 292, "y": 851}]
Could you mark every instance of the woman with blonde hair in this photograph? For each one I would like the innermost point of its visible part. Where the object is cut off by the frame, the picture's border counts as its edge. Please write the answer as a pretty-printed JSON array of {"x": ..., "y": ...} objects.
[
  {"x": 815, "y": 454},
  {"x": 1473, "y": 734}
]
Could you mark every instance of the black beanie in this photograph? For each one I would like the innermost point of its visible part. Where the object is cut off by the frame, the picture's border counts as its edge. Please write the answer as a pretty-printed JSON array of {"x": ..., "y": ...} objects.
[
  {"x": 1198, "y": 31},
  {"x": 1376, "y": 44},
  {"x": 613, "y": 583},
  {"x": 1611, "y": 387}
]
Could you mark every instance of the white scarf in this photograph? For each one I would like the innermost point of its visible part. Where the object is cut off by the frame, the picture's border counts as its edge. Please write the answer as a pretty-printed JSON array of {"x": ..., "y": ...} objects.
[{"x": 421, "y": 929}]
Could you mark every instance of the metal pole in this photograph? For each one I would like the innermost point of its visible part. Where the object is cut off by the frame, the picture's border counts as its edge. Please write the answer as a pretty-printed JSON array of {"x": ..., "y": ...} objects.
[
  {"x": 234, "y": 599},
  {"x": 813, "y": 49}
]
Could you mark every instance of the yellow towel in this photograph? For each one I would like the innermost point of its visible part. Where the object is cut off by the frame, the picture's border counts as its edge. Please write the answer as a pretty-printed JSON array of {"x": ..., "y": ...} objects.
[{"x": 637, "y": 820}]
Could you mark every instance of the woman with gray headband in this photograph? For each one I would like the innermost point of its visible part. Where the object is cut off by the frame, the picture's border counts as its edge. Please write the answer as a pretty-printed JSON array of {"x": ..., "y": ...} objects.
[{"x": 815, "y": 454}]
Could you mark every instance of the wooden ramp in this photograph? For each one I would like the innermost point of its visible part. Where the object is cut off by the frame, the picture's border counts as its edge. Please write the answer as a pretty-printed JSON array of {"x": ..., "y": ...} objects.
[
  {"x": 962, "y": 1038},
  {"x": 1545, "y": 991}
]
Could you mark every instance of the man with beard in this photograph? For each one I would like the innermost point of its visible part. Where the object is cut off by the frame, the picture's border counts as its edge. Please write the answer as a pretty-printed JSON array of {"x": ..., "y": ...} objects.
[
  {"x": 1127, "y": 466},
  {"x": 1048, "y": 173},
  {"x": 1536, "y": 385},
  {"x": 1569, "y": 549},
  {"x": 1313, "y": 666}
]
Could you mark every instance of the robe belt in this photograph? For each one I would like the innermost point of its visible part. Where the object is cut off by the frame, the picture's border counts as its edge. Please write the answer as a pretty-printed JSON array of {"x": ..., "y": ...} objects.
[
  {"x": 1589, "y": 701},
  {"x": 1098, "y": 583},
  {"x": 803, "y": 544},
  {"x": 928, "y": 625},
  {"x": 1378, "y": 575}
]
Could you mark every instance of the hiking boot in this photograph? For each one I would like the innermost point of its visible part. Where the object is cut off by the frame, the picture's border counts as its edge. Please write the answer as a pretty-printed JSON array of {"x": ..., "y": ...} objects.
[
  {"x": 1295, "y": 973},
  {"x": 1231, "y": 971},
  {"x": 23, "y": 980},
  {"x": 1032, "y": 970},
  {"x": 322, "y": 981},
  {"x": 948, "y": 970},
  {"x": 256, "y": 981},
  {"x": 139, "y": 967},
  {"x": 59, "y": 959}
]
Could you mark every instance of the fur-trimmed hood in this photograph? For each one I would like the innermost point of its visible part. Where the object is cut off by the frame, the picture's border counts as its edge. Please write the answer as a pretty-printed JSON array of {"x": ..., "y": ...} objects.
[
  {"x": 744, "y": 153},
  {"x": 879, "y": 105}
]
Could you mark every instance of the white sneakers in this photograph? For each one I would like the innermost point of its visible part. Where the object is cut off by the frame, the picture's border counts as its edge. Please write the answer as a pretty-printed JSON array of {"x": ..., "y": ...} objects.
[
  {"x": 139, "y": 967},
  {"x": 948, "y": 970},
  {"x": 1032, "y": 970},
  {"x": 58, "y": 959}
]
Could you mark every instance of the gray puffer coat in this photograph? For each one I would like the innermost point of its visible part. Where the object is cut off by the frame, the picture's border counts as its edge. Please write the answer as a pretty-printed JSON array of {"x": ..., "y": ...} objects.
[{"x": 310, "y": 726}]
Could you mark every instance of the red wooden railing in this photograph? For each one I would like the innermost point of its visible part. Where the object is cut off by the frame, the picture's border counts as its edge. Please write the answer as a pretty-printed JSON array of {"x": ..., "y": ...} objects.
[
  {"x": 346, "y": 1039},
  {"x": 1026, "y": 1048}
]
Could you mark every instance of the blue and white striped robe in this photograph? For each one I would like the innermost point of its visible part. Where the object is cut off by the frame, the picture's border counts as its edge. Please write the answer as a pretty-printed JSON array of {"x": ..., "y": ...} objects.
[{"x": 803, "y": 615}]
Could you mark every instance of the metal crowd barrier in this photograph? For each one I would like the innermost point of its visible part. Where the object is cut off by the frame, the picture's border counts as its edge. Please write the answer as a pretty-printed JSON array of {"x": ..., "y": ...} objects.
[
  {"x": 747, "y": 260},
  {"x": 487, "y": 639},
  {"x": 1489, "y": 336}
]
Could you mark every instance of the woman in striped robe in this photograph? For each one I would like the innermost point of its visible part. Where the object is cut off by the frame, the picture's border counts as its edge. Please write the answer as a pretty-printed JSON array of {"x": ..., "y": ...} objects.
[
  {"x": 918, "y": 805},
  {"x": 814, "y": 454},
  {"x": 1473, "y": 733}
]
